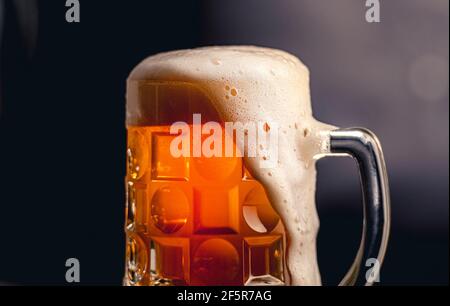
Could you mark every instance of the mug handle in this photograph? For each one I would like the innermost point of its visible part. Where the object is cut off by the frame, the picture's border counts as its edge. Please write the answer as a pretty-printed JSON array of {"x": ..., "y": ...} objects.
[{"x": 364, "y": 147}]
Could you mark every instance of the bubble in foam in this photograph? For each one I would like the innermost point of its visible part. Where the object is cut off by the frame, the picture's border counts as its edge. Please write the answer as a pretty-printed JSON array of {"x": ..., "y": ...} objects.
[
  {"x": 306, "y": 132},
  {"x": 216, "y": 61}
]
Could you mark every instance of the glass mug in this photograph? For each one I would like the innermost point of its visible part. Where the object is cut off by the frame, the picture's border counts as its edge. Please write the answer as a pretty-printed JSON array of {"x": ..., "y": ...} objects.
[{"x": 200, "y": 220}]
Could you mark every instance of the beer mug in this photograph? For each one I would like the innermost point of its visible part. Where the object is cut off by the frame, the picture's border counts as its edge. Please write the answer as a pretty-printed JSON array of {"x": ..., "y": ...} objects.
[{"x": 221, "y": 177}]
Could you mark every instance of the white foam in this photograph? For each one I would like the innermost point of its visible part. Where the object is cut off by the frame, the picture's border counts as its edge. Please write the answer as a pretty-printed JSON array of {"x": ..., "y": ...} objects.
[{"x": 247, "y": 83}]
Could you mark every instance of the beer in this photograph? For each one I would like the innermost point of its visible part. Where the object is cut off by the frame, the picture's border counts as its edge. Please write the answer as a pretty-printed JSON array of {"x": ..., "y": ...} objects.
[{"x": 194, "y": 220}]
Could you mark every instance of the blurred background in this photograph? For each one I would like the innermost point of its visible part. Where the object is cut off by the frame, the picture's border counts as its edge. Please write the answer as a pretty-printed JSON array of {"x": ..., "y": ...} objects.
[{"x": 62, "y": 133}]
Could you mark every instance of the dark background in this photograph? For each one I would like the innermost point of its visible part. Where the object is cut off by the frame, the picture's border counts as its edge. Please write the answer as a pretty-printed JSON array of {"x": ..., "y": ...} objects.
[{"x": 62, "y": 132}]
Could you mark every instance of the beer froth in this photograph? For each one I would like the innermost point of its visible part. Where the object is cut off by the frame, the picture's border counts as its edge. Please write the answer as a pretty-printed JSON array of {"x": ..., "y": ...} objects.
[{"x": 253, "y": 84}]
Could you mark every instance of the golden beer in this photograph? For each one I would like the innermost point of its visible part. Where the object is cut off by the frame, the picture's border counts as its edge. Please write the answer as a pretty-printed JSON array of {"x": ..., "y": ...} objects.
[{"x": 193, "y": 220}]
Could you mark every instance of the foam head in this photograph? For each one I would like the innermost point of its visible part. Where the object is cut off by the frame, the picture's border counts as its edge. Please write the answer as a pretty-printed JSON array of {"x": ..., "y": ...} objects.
[{"x": 267, "y": 78}]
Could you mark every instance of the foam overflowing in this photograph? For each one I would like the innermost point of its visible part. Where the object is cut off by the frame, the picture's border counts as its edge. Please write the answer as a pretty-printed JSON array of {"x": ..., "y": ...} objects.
[{"x": 253, "y": 84}]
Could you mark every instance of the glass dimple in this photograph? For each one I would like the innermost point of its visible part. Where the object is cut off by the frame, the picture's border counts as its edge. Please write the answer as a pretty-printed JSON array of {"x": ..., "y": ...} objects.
[
  {"x": 263, "y": 260},
  {"x": 258, "y": 212},
  {"x": 136, "y": 259},
  {"x": 169, "y": 209},
  {"x": 137, "y": 154},
  {"x": 216, "y": 261},
  {"x": 131, "y": 205}
]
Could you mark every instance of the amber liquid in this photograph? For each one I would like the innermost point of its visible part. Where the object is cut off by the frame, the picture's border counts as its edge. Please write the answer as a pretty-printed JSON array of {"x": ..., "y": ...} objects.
[{"x": 196, "y": 220}]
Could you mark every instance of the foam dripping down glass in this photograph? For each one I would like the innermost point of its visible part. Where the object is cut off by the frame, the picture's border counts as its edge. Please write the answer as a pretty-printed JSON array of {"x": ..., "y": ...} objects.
[{"x": 221, "y": 175}]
